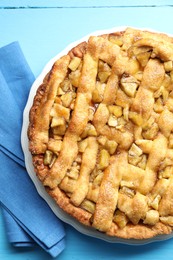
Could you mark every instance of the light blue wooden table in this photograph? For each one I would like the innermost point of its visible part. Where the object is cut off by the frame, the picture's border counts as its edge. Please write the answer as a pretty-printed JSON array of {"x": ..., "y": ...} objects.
[{"x": 44, "y": 28}]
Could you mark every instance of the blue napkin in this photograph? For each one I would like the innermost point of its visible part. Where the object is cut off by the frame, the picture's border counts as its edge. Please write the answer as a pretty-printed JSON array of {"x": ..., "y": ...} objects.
[
  {"x": 15, "y": 233},
  {"x": 28, "y": 219}
]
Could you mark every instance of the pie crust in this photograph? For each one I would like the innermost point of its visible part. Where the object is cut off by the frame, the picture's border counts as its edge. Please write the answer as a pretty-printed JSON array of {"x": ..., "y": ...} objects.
[{"x": 100, "y": 133}]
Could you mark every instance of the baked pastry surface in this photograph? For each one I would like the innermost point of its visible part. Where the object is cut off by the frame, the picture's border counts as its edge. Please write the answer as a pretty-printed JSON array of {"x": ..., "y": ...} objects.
[{"x": 100, "y": 133}]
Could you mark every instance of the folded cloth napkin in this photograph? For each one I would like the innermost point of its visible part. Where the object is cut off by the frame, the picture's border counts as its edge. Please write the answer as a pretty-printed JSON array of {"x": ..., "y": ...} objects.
[
  {"x": 15, "y": 233},
  {"x": 28, "y": 219}
]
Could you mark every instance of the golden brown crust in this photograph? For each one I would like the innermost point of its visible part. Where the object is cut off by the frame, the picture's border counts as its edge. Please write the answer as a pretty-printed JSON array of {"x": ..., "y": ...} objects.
[
  {"x": 38, "y": 131},
  {"x": 128, "y": 232},
  {"x": 111, "y": 163},
  {"x": 78, "y": 51}
]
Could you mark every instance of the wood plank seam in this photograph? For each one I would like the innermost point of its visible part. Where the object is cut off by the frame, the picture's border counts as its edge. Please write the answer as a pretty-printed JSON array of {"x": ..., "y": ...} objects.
[{"x": 85, "y": 7}]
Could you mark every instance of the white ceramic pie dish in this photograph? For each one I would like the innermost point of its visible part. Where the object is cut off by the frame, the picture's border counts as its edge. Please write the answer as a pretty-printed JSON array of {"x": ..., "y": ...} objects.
[{"x": 28, "y": 159}]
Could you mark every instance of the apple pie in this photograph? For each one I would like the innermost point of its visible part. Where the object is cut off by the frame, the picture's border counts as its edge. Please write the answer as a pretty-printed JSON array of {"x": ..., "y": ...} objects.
[{"x": 101, "y": 133}]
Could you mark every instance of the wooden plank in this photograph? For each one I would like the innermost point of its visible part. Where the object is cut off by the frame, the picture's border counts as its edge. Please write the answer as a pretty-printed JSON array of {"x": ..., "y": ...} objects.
[
  {"x": 82, "y": 4},
  {"x": 43, "y": 33}
]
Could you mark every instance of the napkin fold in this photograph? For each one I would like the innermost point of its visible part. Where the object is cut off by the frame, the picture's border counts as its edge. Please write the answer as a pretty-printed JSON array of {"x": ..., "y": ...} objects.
[
  {"x": 28, "y": 219},
  {"x": 16, "y": 235}
]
